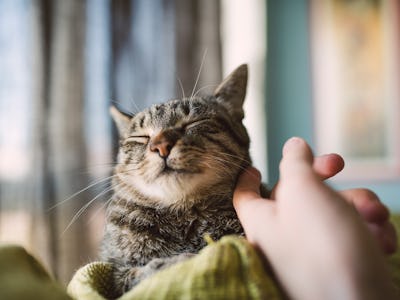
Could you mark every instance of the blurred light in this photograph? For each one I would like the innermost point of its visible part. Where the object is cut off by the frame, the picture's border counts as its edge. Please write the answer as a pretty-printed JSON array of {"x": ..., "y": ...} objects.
[
  {"x": 15, "y": 84},
  {"x": 244, "y": 41}
]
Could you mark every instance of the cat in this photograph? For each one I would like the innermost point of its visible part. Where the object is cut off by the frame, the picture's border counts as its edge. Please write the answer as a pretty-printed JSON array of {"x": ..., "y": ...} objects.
[{"x": 178, "y": 163}]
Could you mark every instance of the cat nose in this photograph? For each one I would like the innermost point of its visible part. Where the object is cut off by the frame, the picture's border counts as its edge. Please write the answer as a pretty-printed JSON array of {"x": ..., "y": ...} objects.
[{"x": 163, "y": 147}]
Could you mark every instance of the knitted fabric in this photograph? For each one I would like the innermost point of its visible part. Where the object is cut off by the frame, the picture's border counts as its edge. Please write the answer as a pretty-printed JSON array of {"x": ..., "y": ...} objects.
[{"x": 227, "y": 269}]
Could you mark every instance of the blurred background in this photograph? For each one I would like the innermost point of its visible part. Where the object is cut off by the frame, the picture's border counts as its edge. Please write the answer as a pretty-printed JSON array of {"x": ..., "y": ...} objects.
[{"x": 326, "y": 70}]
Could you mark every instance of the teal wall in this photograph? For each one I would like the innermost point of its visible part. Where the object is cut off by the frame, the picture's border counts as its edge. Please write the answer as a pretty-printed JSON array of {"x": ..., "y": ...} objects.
[
  {"x": 288, "y": 77},
  {"x": 289, "y": 97}
]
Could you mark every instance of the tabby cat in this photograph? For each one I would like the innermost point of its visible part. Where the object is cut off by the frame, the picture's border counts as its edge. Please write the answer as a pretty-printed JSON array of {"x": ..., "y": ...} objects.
[{"x": 178, "y": 163}]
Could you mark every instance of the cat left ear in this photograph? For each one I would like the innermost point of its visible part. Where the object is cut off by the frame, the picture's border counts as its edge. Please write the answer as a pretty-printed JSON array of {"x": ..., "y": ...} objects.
[
  {"x": 121, "y": 119},
  {"x": 232, "y": 91}
]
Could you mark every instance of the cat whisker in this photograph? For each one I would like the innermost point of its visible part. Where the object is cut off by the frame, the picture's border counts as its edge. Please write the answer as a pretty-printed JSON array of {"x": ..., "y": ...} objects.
[
  {"x": 83, "y": 208},
  {"x": 92, "y": 168},
  {"x": 108, "y": 164},
  {"x": 243, "y": 169},
  {"x": 135, "y": 166},
  {"x": 198, "y": 75},
  {"x": 136, "y": 107},
  {"x": 236, "y": 156},
  {"x": 223, "y": 166},
  {"x": 106, "y": 203},
  {"x": 102, "y": 208},
  {"x": 204, "y": 87},
  {"x": 118, "y": 103},
  {"x": 92, "y": 184},
  {"x": 225, "y": 161},
  {"x": 181, "y": 86},
  {"x": 105, "y": 167},
  {"x": 115, "y": 102},
  {"x": 238, "y": 164},
  {"x": 125, "y": 193},
  {"x": 221, "y": 170}
]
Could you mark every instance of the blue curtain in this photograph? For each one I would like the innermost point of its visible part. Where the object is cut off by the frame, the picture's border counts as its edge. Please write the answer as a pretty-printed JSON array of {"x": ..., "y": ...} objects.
[{"x": 63, "y": 63}]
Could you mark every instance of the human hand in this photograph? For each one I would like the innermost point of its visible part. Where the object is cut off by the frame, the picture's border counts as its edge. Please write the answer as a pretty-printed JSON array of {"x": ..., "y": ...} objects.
[
  {"x": 367, "y": 204},
  {"x": 314, "y": 240}
]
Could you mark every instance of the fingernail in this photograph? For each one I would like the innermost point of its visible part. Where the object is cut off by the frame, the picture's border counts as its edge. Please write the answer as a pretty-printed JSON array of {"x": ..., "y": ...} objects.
[{"x": 291, "y": 144}]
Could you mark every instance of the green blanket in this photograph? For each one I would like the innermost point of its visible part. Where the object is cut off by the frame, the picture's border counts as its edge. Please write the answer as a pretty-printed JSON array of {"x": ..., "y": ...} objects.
[
  {"x": 227, "y": 269},
  {"x": 22, "y": 277}
]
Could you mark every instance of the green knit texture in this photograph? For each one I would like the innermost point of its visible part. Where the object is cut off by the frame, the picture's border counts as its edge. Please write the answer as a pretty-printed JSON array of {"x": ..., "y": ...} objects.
[{"x": 227, "y": 269}]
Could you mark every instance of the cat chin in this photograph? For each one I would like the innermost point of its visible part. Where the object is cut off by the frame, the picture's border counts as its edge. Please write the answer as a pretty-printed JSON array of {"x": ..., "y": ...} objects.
[{"x": 170, "y": 189}]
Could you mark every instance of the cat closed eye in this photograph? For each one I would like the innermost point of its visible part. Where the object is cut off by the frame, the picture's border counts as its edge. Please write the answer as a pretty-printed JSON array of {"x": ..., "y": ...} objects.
[
  {"x": 195, "y": 123},
  {"x": 141, "y": 139}
]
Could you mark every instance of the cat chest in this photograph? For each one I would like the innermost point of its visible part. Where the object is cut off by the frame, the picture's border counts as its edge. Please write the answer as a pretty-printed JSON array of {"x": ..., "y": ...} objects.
[
  {"x": 171, "y": 229},
  {"x": 143, "y": 235}
]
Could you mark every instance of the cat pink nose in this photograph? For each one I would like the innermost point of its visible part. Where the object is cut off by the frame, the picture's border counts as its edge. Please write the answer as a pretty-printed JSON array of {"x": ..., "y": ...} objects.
[{"x": 163, "y": 147}]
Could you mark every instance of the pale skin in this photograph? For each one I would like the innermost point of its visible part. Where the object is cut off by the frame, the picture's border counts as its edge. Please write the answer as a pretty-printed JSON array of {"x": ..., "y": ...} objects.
[{"x": 320, "y": 243}]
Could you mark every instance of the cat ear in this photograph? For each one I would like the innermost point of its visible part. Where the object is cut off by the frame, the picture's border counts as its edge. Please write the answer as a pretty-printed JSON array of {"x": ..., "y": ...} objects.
[
  {"x": 232, "y": 91},
  {"x": 121, "y": 119}
]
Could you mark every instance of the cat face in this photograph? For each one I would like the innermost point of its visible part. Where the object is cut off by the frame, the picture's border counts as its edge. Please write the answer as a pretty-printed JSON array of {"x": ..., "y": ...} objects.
[{"x": 180, "y": 149}]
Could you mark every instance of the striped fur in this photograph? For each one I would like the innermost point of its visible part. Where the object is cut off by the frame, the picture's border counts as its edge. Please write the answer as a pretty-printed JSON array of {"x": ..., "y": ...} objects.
[{"x": 177, "y": 166}]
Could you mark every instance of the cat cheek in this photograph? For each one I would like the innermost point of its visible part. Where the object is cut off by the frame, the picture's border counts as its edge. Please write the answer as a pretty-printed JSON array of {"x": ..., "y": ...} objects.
[
  {"x": 154, "y": 165},
  {"x": 122, "y": 157}
]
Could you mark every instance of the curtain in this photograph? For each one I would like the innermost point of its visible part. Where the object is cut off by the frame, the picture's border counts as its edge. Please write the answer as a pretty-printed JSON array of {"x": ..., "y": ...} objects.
[
  {"x": 63, "y": 63},
  {"x": 159, "y": 47}
]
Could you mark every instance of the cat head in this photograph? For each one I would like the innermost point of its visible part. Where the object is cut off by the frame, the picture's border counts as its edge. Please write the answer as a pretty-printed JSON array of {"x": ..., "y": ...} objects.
[{"x": 178, "y": 151}]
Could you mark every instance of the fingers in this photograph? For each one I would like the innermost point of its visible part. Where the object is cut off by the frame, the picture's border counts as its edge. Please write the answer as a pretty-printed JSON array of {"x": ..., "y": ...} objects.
[
  {"x": 296, "y": 155},
  {"x": 248, "y": 185},
  {"x": 385, "y": 235},
  {"x": 247, "y": 190},
  {"x": 296, "y": 149},
  {"x": 297, "y": 159},
  {"x": 328, "y": 165},
  {"x": 376, "y": 216},
  {"x": 253, "y": 211},
  {"x": 367, "y": 205},
  {"x": 325, "y": 166}
]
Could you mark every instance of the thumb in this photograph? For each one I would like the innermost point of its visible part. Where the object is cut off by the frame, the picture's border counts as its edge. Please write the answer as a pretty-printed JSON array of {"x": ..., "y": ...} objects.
[
  {"x": 249, "y": 205},
  {"x": 248, "y": 186},
  {"x": 247, "y": 190},
  {"x": 297, "y": 159}
]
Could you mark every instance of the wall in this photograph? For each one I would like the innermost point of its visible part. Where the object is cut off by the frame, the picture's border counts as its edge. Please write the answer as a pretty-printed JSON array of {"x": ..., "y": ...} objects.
[
  {"x": 288, "y": 78},
  {"x": 289, "y": 96}
]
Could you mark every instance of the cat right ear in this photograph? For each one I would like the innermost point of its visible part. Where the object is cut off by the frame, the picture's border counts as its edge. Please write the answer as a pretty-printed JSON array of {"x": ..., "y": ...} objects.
[
  {"x": 121, "y": 119},
  {"x": 232, "y": 91}
]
